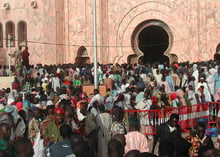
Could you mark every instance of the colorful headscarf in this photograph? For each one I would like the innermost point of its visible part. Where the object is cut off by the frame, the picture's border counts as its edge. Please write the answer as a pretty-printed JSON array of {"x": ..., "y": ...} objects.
[{"x": 13, "y": 110}]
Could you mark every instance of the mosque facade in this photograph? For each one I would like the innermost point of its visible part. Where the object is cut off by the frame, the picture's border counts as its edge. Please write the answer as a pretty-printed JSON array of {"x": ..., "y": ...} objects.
[{"x": 61, "y": 31}]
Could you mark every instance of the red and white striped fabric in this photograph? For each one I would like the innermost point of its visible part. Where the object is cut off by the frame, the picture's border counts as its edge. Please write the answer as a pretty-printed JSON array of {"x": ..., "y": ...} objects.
[
  {"x": 150, "y": 119},
  {"x": 188, "y": 114}
]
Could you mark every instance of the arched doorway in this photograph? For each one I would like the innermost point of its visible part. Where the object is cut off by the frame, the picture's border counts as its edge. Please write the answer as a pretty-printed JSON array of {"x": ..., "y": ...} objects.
[
  {"x": 22, "y": 33},
  {"x": 217, "y": 54},
  {"x": 82, "y": 55},
  {"x": 152, "y": 41}
]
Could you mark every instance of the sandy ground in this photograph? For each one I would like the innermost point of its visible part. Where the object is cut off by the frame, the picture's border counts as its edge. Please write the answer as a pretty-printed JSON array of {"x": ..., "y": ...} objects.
[{"x": 5, "y": 82}]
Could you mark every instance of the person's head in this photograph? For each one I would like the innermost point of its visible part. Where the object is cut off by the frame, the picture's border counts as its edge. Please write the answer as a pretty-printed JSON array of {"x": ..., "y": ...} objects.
[
  {"x": 123, "y": 81},
  {"x": 22, "y": 113},
  {"x": 192, "y": 78},
  {"x": 26, "y": 48},
  {"x": 19, "y": 48},
  {"x": 66, "y": 131},
  {"x": 133, "y": 153},
  {"x": 163, "y": 79},
  {"x": 134, "y": 123},
  {"x": 162, "y": 88},
  {"x": 96, "y": 91},
  {"x": 36, "y": 112},
  {"x": 200, "y": 129},
  {"x": 23, "y": 148},
  {"x": 68, "y": 116},
  {"x": 5, "y": 131},
  {"x": 202, "y": 79},
  {"x": 95, "y": 104},
  {"x": 190, "y": 87},
  {"x": 174, "y": 118},
  {"x": 118, "y": 113},
  {"x": 59, "y": 116},
  {"x": 83, "y": 108},
  {"x": 121, "y": 97},
  {"x": 106, "y": 75},
  {"x": 115, "y": 148},
  {"x": 166, "y": 148},
  {"x": 81, "y": 149},
  {"x": 50, "y": 110},
  {"x": 8, "y": 90},
  {"x": 4, "y": 153},
  {"x": 101, "y": 108},
  {"x": 122, "y": 140},
  {"x": 147, "y": 154}
]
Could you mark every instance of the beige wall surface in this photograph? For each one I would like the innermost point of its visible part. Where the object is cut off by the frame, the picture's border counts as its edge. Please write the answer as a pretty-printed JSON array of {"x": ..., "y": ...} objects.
[{"x": 56, "y": 29}]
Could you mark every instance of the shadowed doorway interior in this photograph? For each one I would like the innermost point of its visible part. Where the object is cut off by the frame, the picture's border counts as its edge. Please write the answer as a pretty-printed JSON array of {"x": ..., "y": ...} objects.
[
  {"x": 217, "y": 54},
  {"x": 153, "y": 42}
]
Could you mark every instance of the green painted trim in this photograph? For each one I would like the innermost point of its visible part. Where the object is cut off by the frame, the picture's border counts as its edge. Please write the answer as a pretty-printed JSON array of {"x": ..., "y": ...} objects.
[
  {"x": 13, "y": 32},
  {"x": 18, "y": 34}
]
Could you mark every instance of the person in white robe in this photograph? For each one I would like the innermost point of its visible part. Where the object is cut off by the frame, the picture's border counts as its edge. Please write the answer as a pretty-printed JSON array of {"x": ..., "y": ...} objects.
[
  {"x": 104, "y": 122},
  {"x": 211, "y": 81}
]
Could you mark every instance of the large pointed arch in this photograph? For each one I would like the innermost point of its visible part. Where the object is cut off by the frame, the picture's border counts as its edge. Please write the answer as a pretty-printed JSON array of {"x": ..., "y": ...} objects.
[{"x": 152, "y": 41}]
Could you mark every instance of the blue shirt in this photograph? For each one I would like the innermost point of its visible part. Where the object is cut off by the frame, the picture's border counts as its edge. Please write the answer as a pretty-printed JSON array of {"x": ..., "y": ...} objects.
[
  {"x": 169, "y": 79},
  {"x": 60, "y": 149}
]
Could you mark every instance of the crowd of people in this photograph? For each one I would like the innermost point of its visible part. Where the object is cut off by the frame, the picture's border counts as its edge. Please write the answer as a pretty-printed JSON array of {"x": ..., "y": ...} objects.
[{"x": 45, "y": 112}]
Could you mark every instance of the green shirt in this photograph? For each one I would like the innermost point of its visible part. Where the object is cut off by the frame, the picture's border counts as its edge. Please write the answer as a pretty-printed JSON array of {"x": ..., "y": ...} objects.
[
  {"x": 53, "y": 132},
  {"x": 78, "y": 83}
]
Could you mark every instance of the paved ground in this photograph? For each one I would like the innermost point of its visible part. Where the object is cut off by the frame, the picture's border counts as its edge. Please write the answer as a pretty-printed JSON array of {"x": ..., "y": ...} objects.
[{"x": 5, "y": 82}]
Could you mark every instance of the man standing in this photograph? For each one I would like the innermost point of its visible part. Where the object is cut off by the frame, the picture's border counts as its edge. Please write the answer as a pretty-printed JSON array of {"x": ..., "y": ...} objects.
[
  {"x": 91, "y": 129},
  {"x": 62, "y": 148},
  {"x": 49, "y": 119},
  {"x": 217, "y": 80},
  {"x": 25, "y": 58},
  {"x": 108, "y": 82},
  {"x": 34, "y": 125},
  {"x": 52, "y": 133},
  {"x": 134, "y": 139},
  {"x": 104, "y": 122},
  {"x": 18, "y": 63},
  {"x": 169, "y": 130}
]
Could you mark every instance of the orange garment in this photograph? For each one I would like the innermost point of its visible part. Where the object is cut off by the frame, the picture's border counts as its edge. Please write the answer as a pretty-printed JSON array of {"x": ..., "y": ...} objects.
[{"x": 108, "y": 82}]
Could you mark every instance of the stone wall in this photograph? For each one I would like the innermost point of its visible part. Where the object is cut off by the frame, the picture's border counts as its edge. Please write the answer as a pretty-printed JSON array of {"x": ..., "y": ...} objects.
[{"x": 57, "y": 29}]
